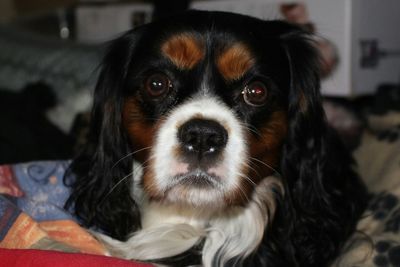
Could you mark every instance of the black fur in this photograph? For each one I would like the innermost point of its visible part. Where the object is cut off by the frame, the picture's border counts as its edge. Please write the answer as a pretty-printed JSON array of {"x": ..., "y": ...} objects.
[
  {"x": 323, "y": 198},
  {"x": 116, "y": 214}
]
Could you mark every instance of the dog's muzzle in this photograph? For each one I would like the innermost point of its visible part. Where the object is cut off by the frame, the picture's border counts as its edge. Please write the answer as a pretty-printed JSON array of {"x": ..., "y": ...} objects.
[{"x": 199, "y": 156}]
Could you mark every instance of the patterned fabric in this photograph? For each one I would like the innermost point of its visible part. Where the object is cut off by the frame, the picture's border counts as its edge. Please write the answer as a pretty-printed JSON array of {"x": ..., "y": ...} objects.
[
  {"x": 377, "y": 243},
  {"x": 32, "y": 214}
]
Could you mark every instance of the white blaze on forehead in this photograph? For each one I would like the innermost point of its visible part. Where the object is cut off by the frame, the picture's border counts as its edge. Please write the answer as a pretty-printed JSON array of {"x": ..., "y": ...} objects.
[{"x": 166, "y": 163}]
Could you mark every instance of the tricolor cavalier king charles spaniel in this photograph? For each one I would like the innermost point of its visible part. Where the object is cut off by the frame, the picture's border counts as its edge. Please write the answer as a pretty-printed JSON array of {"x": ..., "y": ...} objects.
[{"x": 209, "y": 146}]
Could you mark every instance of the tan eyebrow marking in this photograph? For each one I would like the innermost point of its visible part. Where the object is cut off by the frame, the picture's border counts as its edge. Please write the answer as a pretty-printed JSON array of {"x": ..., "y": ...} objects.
[
  {"x": 235, "y": 61},
  {"x": 184, "y": 50}
]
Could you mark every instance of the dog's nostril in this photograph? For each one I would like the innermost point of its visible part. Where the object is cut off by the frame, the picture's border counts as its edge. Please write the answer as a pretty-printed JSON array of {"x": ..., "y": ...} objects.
[
  {"x": 202, "y": 136},
  {"x": 215, "y": 140},
  {"x": 191, "y": 139}
]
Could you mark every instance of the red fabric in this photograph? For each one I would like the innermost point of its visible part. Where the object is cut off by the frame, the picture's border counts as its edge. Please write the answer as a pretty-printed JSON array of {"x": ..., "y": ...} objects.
[{"x": 42, "y": 258}]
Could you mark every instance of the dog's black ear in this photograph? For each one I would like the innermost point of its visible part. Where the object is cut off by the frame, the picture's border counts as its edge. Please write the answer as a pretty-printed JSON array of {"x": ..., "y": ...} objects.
[
  {"x": 324, "y": 195},
  {"x": 100, "y": 180}
]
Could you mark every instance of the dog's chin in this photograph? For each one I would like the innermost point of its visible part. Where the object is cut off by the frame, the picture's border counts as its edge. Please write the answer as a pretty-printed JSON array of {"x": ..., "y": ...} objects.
[
  {"x": 197, "y": 179},
  {"x": 195, "y": 189}
]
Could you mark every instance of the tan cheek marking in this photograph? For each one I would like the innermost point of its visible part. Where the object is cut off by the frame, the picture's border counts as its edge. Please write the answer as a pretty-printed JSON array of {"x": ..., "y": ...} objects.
[
  {"x": 265, "y": 147},
  {"x": 235, "y": 61},
  {"x": 140, "y": 131},
  {"x": 184, "y": 50}
]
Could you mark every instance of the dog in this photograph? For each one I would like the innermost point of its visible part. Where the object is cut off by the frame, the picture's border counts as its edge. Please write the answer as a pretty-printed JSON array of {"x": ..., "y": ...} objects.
[{"x": 209, "y": 146}]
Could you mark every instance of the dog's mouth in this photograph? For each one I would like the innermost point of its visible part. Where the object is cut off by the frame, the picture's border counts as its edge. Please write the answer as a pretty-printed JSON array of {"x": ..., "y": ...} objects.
[
  {"x": 196, "y": 189},
  {"x": 197, "y": 178},
  {"x": 193, "y": 186}
]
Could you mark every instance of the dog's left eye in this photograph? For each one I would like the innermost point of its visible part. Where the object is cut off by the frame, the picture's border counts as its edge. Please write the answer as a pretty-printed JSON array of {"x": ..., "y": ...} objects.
[
  {"x": 255, "y": 94},
  {"x": 157, "y": 84}
]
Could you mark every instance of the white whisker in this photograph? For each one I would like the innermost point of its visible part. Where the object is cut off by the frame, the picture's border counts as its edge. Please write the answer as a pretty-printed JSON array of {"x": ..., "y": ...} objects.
[
  {"x": 130, "y": 154},
  {"x": 248, "y": 180},
  {"x": 265, "y": 164},
  {"x": 112, "y": 189}
]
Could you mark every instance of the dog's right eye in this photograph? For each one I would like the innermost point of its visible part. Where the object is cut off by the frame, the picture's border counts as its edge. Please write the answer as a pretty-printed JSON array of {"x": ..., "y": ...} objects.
[{"x": 157, "y": 84}]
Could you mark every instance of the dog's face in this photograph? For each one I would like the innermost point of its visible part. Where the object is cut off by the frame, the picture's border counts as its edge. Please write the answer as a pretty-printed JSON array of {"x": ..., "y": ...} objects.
[{"x": 205, "y": 109}]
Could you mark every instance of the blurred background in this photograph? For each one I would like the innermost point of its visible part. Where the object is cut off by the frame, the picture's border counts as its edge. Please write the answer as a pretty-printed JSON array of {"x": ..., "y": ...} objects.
[{"x": 50, "y": 51}]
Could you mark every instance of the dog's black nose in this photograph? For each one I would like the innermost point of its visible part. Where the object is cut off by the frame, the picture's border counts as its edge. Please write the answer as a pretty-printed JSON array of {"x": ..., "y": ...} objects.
[{"x": 202, "y": 137}]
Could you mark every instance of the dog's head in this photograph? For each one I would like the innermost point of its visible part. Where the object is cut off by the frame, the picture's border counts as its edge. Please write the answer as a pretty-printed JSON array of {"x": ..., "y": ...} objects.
[
  {"x": 204, "y": 107},
  {"x": 209, "y": 104}
]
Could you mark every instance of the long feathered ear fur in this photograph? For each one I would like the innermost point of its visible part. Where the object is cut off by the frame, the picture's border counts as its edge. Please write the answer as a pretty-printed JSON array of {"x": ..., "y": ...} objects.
[
  {"x": 324, "y": 196},
  {"x": 101, "y": 189}
]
